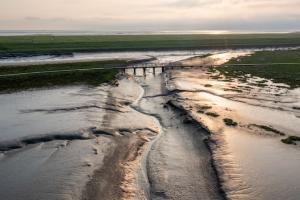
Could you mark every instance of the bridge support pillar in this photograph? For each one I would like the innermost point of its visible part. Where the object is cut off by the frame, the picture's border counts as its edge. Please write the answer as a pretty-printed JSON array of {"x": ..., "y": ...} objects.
[
  {"x": 144, "y": 71},
  {"x": 134, "y": 71},
  {"x": 163, "y": 69},
  {"x": 153, "y": 70}
]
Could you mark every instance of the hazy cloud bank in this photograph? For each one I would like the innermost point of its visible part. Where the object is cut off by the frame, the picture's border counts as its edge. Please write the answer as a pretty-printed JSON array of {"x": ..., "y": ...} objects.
[{"x": 150, "y": 15}]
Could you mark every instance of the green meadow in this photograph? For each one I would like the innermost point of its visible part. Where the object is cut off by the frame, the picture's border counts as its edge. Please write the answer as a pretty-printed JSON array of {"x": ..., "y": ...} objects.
[
  {"x": 90, "y": 76},
  {"x": 47, "y": 44},
  {"x": 281, "y": 73}
]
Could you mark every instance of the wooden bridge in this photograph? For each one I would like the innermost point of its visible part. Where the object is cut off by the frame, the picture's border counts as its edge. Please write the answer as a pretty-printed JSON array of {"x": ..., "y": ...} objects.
[{"x": 154, "y": 67}]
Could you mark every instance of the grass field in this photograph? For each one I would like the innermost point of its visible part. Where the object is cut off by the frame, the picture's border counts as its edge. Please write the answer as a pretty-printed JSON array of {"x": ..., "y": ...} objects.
[
  {"x": 93, "y": 77},
  {"x": 63, "y": 66},
  {"x": 281, "y": 73},
  {"x": 46, "y": 44}
]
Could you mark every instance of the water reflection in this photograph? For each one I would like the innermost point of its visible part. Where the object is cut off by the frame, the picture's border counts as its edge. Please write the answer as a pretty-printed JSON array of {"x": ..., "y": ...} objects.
[{"x": 163, "y": 56}]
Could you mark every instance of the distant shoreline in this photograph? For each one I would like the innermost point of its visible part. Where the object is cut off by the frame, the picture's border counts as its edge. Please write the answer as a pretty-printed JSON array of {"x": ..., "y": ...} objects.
[
  {"x": 24, "y": 46},
  {"x": 167, "y": 32}
]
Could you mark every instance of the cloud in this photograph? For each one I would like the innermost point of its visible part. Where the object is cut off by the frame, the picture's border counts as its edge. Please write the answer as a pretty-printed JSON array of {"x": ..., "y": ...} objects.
[
  {"x": 150, "y": 15},
  {"x": 193, "y": 3}
]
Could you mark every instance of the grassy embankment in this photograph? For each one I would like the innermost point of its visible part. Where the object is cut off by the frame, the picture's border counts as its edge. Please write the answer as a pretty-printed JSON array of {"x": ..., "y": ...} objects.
[
  {"x": 89, "y": 77},
  {"x": 46, "y": 44},
  {"x": 280, "y": 73}
]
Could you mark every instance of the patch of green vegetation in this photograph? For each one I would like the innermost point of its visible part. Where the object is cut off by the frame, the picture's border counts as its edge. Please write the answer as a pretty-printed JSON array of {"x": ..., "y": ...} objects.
[
  {"x": 233, "y": 90},
  {"x": 61, "y": 66},
  {"x": 201, "y": 111},
  {"x": 243, "y": 80},
  {"x": 205, "y": 107},
  {"x": 279, "y": 73},
  {"x": 291, "y": 140},
  {"x": 268, "y": 128},
  {"x": 227, "y": 80},
  {"x": 88, "y": 77},
  {"x": 262, "y": 81},
  {"x": 245, "y": 87},
  {"x": 216, "y": 77},
  {"x": 204, "y": 55},
  {"x": 258, "y": 84},
  {"x": 230, "y": 122},
  {"x": 49, "y": 44},
  {"x": 211, "y": 69},
  {"x": 212, "y": 114},
  {"x": 207, "y": 85}
]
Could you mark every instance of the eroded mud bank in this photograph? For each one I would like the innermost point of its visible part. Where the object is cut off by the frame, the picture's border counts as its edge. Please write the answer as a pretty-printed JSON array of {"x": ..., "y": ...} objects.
[
  {"x": 88, "y": 147},
  {"x": 246, "y": 149},
  {"x": 179, "y": 162}
]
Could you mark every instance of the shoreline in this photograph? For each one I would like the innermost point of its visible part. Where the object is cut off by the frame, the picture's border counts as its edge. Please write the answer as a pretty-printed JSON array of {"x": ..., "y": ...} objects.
[
  {"x": 204, "y": 47},
  {"x": 38, "y": 45}
]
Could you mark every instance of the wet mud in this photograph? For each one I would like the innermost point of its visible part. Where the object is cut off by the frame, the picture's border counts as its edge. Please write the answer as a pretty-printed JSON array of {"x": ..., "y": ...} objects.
[{"x": 157, "y": 137}]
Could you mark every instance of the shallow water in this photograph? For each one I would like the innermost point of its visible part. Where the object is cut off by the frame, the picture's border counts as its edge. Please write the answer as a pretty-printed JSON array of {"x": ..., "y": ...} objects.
[
  {"x": 163, "y": 56},
  {"x": 22, "y": 113},
  {"x": 57, "y": 169},
  {"x": 270, "y": 168}
]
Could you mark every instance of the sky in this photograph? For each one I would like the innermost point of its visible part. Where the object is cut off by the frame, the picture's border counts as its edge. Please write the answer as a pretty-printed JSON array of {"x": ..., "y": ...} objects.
[{"x": 151, "y": 15}]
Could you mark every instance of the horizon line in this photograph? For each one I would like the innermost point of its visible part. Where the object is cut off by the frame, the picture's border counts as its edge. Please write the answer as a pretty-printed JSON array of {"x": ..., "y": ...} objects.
[{"x": 116, "y": 32}]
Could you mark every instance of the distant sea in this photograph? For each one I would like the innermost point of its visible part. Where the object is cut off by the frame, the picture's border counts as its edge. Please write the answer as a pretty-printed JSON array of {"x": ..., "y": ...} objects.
[{"x": 62, "y": 32}]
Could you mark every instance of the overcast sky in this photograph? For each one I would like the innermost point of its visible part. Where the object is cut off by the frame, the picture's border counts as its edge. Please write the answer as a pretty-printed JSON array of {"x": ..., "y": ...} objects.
[{"x": 150, "y": 15}]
